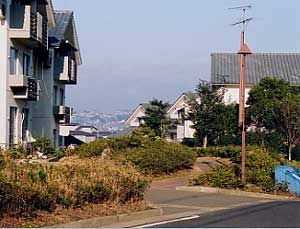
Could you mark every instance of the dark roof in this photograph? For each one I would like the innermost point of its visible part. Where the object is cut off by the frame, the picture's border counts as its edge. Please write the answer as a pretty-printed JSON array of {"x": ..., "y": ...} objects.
[
  {"x": 148, "y": 105},
  {"x": 56, "y": 34},
  {"x": 225, "y": 68},
  {"x": 125, "y": 132},
  {"x": 191, "y": 95},
  {"x": 82, "y": 133},
  {"x": 87, "y": 126}
]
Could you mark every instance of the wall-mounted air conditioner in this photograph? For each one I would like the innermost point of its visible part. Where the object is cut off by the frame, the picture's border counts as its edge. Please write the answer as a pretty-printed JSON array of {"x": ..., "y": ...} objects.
[{"x": 2, "y": 17}]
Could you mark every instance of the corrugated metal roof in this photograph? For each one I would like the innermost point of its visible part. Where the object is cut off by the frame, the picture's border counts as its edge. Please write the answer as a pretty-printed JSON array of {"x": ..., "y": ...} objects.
[
  {"x": 225, "y": 67},
  {"x": 191, "y": 95},
  {"x": 62, "y": 18}
]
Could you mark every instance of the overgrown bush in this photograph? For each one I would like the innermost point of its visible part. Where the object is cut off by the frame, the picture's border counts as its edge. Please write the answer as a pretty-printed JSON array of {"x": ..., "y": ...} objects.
[
  {"x": 16, "y": 152},
  {"x": 220, "y": 177},
  {"x": 43, "y": 145},
  {"x": 273, "y": 141},
  {"x": 220, "y": 151},
  {"x": 91, "y": 149},
  {"x": 25, "y": 189},
  {"x": 260, "y": 165},
  {"x": 159, "y": 157}
]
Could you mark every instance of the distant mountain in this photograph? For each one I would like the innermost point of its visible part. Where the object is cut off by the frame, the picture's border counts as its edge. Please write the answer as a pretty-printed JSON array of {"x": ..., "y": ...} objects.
[{"x": 104, "y": 121}]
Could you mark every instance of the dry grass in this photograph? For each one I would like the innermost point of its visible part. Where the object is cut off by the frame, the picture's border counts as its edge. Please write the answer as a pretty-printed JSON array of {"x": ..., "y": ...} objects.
[
  {"x": 62, "y": 215},
  {"x": 64, "y": 184}
]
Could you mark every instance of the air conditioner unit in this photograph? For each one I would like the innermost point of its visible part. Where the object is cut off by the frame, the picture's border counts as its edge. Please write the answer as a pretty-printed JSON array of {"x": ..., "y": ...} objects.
[{"x": 2, "y": 17}]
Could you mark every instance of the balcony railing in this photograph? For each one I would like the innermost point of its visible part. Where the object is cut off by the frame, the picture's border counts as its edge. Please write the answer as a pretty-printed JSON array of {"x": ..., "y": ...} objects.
[
  {"x": 24, "y": 87},
  {"x": 28, "y": 25},
  {"x": 63, "y": 113},
  {"x": 69, "y": 74}
]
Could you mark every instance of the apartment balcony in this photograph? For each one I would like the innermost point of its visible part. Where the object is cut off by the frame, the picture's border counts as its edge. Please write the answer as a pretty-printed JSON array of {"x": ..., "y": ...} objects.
[
  {"x": 63, "y": 114},
  {"x": 69, "y": 73},
  {"x": 24, "y": 87},
  {"x": 28, "y": 26}
]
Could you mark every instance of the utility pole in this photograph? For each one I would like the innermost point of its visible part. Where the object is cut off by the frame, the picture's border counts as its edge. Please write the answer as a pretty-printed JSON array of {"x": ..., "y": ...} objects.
[{"x": 244, "y": 51}]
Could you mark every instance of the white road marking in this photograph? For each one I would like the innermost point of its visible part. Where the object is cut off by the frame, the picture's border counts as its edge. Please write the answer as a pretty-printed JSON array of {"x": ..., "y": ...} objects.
[{"x": 169, "y": 221}]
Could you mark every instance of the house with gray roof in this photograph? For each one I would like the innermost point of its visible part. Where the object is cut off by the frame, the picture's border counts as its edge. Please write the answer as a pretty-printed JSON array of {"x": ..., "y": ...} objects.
[
  {"x": 177, "y": 112},
  {"x": 43, "y": 50},
  {"x": 225, "y": 71}
]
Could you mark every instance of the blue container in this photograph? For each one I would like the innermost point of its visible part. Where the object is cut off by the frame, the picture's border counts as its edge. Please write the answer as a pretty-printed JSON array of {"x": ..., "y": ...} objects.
[{"x": 289, "y": 175}]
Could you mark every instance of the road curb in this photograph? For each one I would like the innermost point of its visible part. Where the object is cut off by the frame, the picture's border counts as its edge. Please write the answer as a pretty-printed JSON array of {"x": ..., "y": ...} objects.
[
  {"x": 233, "y": 192},
  {"x": 109, "y": 220}
]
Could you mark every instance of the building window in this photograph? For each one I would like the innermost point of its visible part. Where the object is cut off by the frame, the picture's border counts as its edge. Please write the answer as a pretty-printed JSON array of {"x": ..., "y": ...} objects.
[
  {"x": 62, "y": 96},
  {"x": 12, "y": 125},
  {"x": 25, "y": 125},
  {"x": 55, "y": 95},
  {"x": 181, "y": 117},
  {"x": 13, "y": 61},
  {"x": 26, "y": 63},
  {"x": 60, "y": 140}
]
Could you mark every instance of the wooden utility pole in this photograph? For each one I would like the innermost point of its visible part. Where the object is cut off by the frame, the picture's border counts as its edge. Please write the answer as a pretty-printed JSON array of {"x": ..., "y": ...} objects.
[{"x": 244, "y": 51}]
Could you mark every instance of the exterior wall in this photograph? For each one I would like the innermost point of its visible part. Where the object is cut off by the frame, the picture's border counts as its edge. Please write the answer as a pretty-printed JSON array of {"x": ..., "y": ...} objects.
[
  {"x": 85, "y": 139},
  {"x": 3, "y": 80},
  {"x": 43, "y": 118},
  {"x": 232, "y": 94},
  {"x": 64, "y": 130}
]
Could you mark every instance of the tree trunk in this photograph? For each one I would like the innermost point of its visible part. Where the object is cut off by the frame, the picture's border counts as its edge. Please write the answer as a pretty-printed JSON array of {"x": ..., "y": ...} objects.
[
  {"x": 205, "y": 142},
  {"x": 290, "y": 151}
]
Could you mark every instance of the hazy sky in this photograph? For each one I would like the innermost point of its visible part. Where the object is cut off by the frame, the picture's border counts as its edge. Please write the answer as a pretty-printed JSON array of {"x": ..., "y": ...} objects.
[{"x": 134, "y": 50}]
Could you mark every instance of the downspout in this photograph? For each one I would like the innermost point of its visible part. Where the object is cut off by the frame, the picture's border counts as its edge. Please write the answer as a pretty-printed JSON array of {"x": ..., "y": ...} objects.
[{"x": 22, "y": 124}]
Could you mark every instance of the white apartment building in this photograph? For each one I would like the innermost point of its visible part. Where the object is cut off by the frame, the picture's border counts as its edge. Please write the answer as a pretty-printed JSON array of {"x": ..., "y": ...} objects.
[{"x": 39, "y": 54}]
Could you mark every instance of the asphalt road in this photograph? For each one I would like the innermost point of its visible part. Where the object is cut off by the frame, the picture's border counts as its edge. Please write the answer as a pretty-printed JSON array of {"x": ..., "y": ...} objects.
[{"x": 266, "y": 215}]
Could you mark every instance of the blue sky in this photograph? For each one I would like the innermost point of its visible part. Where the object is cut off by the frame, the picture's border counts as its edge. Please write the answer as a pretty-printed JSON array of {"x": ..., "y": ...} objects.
[{"x": 134, "y": 50}]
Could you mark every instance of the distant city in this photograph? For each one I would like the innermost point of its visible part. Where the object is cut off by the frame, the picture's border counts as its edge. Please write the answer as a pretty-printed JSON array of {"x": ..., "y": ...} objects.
[{"x": 104, "y": 121}]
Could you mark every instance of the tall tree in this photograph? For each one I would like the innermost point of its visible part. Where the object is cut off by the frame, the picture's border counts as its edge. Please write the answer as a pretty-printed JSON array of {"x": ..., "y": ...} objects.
[
  {"x": 155, "y": 116},
  {"x": 264, "y": 99},
  {"x": 209, "y": 114},
  {"x": 274, "y": 105},
  {"x": 287, "y": 120}
]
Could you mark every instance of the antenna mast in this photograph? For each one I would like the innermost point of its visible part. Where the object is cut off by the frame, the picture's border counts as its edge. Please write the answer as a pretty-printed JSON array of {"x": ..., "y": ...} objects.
[{"x": 244, "y": 51}]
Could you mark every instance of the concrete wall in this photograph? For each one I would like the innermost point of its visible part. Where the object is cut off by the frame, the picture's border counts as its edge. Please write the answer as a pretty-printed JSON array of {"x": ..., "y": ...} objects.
[
  {"x": 231, "y": 95},
  {"x": 3, "y": 79}
]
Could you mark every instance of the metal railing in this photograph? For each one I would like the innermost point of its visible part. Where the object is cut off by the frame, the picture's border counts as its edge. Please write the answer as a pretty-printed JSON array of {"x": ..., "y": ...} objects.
[{"x": 32, "y": 89}]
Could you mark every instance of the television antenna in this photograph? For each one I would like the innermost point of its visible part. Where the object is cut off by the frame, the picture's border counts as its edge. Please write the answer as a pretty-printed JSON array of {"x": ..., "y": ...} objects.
[
  {"x": 244, "y": 51},
  {"x": 244, "y": 21}
]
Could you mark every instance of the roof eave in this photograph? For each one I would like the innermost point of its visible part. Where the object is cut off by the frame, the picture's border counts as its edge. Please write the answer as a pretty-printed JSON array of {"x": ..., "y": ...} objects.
[{"x": 50, "y": 14}]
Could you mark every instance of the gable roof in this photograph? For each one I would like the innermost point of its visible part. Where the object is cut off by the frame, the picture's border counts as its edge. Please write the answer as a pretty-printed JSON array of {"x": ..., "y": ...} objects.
[
  {"x": 141, "y": 107},
  {"x": 225, "y": 68},
  {"x": 65, "y": 26},
  {"x": 189, "y": 95}
]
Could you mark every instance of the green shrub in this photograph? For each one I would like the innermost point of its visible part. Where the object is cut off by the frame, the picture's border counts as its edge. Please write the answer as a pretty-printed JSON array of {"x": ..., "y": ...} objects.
[
  {"x": 120, "y": 143},
  {"x": 95, "y": 193},
  {"x": 139, "y": 137},
  {"x": 260, "y": 165},
  {"x": 91, "y": 149},
  {"x": 160, "y": 157},
  {"x": 220, "y": 177},
  {"x": 2, "y": 161},
  {"x": 43, "y": 145},
  {"x": 220, "y": 151},
  {"x": 17, "y": 152}
]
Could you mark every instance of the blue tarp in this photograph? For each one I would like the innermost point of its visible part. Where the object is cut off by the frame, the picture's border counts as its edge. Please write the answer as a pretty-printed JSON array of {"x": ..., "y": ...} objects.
[{"x": 286, "y": 174}]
